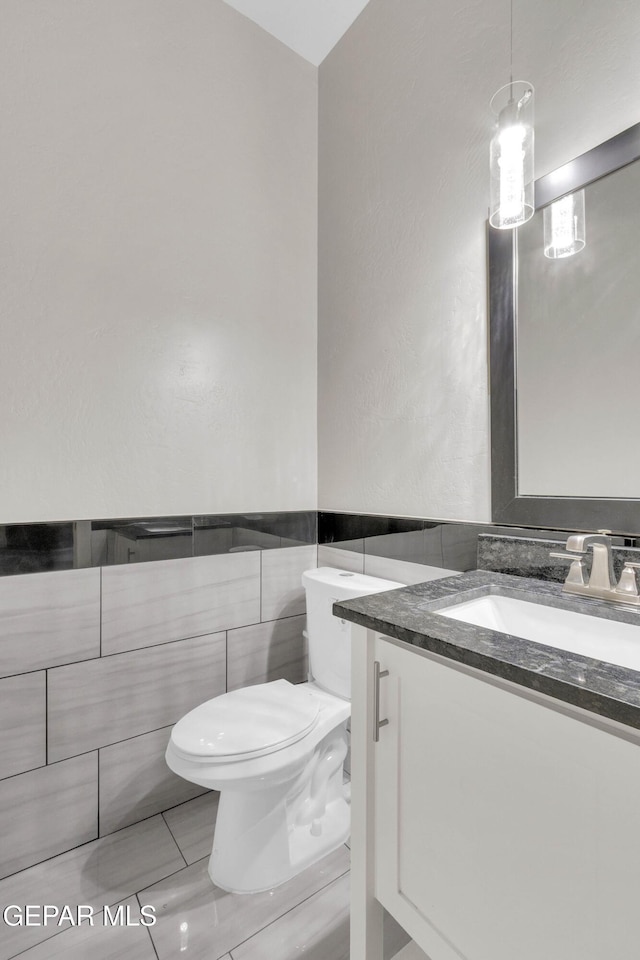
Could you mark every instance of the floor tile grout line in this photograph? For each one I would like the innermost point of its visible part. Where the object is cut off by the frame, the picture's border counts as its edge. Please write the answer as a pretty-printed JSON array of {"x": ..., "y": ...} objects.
[
  {"x": 98, "y": 790},
  {"x": 153, "y": 946},
  {"x": 174, "y": 839},
  {"x": 148, "y": 929},
  {"x": 63, "y": 853},
  {"x": 73, "y": 927},
  {"x": 286, "y": 912},
  {"x": 40, "y": 942},
  {"x": 175, "y": 873}
]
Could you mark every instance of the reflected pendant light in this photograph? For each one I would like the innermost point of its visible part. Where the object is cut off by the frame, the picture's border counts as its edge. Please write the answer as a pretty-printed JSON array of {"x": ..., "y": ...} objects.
[
  {"x": 564, "y": 226},
  {"x": 511, "y": 154}
]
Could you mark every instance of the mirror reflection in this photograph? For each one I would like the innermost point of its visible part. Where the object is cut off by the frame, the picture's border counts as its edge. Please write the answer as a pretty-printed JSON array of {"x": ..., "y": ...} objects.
[{"x": 577, "y": 348}]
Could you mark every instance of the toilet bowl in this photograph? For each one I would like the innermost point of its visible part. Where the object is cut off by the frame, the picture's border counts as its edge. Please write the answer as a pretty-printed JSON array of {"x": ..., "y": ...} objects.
[{"x": 276, "y": 750}]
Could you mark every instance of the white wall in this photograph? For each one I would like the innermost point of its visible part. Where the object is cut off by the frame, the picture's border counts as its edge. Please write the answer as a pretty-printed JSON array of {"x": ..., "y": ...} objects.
[
  {"x": 158, "y": 181},
  {"x": 404, "y": 137}
]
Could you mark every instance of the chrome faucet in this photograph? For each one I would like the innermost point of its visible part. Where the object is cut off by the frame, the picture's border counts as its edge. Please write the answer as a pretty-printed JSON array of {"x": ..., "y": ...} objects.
[{"x": 601, "y": 582}]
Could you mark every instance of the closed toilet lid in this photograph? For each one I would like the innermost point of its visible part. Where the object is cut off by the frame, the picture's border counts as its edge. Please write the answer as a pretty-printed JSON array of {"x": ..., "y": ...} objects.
[{"x": 247, "y": 723}]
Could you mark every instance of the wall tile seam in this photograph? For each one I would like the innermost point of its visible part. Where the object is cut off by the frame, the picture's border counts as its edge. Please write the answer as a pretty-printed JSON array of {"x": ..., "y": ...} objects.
[
  {"x": 54, "y": 763},
  {"x": 25, "y": 673},
  {"x": 136, "y": 736},
  {"x": 158, "y": 813},
  {"x": 151, "y": 646},
  {"x": 38, "y": 863},
  {"x": 136, "y": 565},
  {"x": 84, "y": 753},
  {"x": 265, "y": 623},
  {"x": 89, "y": 781},
  {"x": 128, "y": 652},
  {"x": 120, "y": 653},
  {"x": 160, "y": 643},
  {"x": 84, "y": 843},
  {"x": 147, "y": 646},
  {"x": 99, "y": 836},
  {"x": 45, "y": 669},
  {"x": 21, "y": 773}
]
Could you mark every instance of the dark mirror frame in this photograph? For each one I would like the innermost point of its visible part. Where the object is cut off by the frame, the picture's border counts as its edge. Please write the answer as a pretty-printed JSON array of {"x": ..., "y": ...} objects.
[{"x": 569, "y": 513}]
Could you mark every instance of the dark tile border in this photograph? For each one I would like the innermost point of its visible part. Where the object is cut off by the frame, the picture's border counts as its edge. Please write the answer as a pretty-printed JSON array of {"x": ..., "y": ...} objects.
[
  {"x": 42, "y": 547},
  {"x": 453, "y": 545},
  {"x": 450, "y": 544},
  {"x": 36, "y": 547}
]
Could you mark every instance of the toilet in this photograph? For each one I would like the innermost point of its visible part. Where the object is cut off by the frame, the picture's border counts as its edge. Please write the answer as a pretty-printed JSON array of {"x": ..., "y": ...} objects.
[{"x": 275, "y": 751}]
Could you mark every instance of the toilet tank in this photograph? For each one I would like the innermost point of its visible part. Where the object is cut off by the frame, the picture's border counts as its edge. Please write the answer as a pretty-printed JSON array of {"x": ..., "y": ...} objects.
[{"x": 329, "y": 636}]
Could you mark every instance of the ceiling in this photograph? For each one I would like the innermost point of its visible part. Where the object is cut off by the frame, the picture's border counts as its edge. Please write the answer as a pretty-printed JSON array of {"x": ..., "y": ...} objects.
[{"x": 310, "y": 27}]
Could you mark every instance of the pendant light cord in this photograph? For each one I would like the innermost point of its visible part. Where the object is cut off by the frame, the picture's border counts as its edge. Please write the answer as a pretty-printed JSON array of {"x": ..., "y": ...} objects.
[{"x": 511, "y": 48}]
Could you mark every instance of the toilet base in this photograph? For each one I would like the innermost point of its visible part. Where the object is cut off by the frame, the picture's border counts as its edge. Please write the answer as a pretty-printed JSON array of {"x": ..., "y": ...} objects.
[
  {"x": 264, "y": 838},
  {"x": 307, "y": 850}
]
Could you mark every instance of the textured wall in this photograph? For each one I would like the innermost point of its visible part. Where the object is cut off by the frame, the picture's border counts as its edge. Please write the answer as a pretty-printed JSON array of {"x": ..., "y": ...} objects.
[
  {"x": 158, "y": 300},
  {"x": 404, "y": 135}
]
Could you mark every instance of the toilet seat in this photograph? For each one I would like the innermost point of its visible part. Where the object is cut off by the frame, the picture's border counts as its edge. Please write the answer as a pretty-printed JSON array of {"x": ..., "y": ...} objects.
[{"x": 247, "y": 723}]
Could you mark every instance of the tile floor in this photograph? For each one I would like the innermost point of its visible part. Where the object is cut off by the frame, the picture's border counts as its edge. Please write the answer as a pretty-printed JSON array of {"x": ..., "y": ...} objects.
[{"x": 162, "y": 862}]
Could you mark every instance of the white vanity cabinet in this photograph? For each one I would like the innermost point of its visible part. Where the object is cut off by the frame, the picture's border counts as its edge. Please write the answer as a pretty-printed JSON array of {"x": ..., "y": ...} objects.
[{"x": 492, "y": 825}]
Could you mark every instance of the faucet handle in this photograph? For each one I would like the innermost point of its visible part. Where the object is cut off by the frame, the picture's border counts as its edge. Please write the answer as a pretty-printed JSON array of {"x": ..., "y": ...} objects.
[
  {"x": 628, "y": 584},
  {"x": 577, "y": 568}
]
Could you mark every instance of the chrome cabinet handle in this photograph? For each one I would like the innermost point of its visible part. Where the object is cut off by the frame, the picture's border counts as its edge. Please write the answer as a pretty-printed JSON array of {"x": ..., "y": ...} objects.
[{"x": 377, "y": 722}]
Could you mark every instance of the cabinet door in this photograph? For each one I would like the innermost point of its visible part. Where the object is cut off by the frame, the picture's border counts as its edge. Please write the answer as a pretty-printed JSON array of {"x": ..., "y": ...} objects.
[{"x": 503, "y": 828}]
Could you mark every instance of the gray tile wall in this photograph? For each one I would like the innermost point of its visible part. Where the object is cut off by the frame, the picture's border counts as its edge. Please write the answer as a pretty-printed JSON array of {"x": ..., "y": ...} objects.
[
  {"x": 48, "y": 618},
  {"x": 282, "y": 591},
  {"x": 47, "y": 811},
  {"x": 95, "y": 667},
  {"x": 23, "y": 708},
  {"x": 152, "y": 603},
  {"x": 136, "y": 783},
  {"x": 94, "y": 704},
  {"x": 266, "y": 651}
]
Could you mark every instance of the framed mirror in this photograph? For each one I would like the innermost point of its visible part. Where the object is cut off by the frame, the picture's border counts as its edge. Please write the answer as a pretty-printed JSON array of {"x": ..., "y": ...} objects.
[{"x": 565, "y": 353}]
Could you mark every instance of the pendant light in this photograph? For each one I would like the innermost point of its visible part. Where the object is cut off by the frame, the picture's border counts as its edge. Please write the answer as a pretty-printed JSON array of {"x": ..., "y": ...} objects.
[
  {"x": 564, "y": 226},
  {"x": 511, "y": 154}
]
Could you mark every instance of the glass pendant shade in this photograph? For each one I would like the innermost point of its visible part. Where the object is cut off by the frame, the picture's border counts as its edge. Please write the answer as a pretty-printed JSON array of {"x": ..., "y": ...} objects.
[
  {"x": 564, "y": 226},
  {"x": 512, "y": 200}
]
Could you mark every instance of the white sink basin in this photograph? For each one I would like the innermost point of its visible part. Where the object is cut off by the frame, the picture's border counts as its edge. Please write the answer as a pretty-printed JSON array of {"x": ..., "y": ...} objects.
[{"x": 595, "y": 637}]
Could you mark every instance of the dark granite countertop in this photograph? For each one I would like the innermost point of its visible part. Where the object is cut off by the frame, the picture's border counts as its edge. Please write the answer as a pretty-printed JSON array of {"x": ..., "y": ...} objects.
[{"x": 410, "y": 615}]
